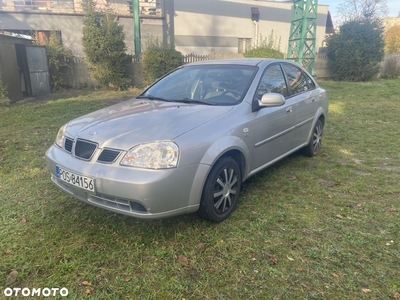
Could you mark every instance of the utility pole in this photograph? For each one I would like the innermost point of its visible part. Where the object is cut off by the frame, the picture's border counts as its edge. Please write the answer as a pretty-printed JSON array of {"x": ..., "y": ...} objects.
[
  {"x": 136, "y": 27},
  {"x": 303, "y": 34}
]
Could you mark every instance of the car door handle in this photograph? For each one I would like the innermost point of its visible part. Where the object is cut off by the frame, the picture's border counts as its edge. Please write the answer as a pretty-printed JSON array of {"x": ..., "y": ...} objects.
[{"x": 289, "y": 110}]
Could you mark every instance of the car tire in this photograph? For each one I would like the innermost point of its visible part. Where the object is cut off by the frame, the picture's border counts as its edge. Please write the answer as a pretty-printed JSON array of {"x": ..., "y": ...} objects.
[
  {"x": 221, "y": 191},
  {"x": 314, "y": 147}
]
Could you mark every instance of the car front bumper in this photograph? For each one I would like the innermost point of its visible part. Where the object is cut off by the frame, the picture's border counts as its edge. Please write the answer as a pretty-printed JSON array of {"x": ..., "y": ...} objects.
[{"x": 142, "y": 193}]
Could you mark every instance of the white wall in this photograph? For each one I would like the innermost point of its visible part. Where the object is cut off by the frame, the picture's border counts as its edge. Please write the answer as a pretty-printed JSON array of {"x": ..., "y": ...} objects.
[
  {"x": 71, "y": 27},
  {"x": 218, "y": 24}
]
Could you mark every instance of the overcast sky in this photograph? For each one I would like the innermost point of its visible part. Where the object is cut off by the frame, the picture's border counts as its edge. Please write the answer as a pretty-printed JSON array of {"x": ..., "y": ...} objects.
[{"x": 393, "y": 5}]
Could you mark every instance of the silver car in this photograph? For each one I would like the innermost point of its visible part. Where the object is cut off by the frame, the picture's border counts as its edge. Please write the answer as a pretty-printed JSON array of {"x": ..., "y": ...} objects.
[{"x": 188, "y": 142}]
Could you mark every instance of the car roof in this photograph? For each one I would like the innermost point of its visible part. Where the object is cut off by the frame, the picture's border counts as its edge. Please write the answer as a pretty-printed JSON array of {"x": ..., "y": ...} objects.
[{"x": 241, "y": 61}]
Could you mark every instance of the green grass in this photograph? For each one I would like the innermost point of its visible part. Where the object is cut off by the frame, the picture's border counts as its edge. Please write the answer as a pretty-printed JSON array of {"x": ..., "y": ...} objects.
[{"x": 321, "y": 228}]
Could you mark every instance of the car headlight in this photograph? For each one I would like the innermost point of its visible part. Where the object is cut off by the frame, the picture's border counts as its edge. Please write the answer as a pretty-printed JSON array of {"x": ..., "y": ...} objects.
[
  {"x": 60, "y": 136},
  {"x": 155, "y": 155}
]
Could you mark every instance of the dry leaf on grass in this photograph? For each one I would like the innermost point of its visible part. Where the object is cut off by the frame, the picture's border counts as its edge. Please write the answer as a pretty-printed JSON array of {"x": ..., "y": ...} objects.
[
  {"x": 87, "y": 283},
  {"x": 183, "y": 260},
  {"x": 201, "y": 246},
  {"x": 366, "y": 291},
  {"x": 273, "y": 261},
  {"x": 11, "y": 277}
]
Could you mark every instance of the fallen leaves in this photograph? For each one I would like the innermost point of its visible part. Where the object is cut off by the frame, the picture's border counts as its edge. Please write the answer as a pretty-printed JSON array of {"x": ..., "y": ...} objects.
[
  {"x": 183, "y": 260},
  {"x": 366, "y": 291},
  {"x": 273, "y": 261},
  {"x": 86, "y": 283},
  {"x": 11, "y": 277},
  {"x": 390, "y": 243},
  {"x": 201, "y": 246}
]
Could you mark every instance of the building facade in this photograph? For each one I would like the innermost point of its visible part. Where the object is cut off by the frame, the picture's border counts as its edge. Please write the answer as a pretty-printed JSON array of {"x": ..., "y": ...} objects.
[
  {"x": 229, "y": 25},
  {"x": 192, "y": 26},
  {"x": 66, "y": 16}
]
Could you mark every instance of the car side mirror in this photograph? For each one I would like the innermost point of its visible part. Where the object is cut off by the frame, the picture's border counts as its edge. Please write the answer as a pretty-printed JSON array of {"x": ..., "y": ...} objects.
[
  {"x": 271, "y": 100},
  {"x": 268, "y": 100}
]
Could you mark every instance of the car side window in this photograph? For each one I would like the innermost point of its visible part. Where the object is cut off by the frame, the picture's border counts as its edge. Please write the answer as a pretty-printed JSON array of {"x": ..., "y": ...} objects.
[
  {"x": 299, "y": 81},
  {"x": 272, "y": 81}
]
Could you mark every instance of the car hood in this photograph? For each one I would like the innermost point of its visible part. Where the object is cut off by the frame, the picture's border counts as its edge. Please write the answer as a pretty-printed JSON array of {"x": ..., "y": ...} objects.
[{"x": 138, "y": 121}]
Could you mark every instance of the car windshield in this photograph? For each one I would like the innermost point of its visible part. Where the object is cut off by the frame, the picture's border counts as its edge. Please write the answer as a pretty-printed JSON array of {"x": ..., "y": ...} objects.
[{"x": 206, "y": 84}]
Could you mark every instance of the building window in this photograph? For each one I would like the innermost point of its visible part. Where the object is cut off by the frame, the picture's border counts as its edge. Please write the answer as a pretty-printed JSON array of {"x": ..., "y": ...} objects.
[
  {"x": 244, "y": 45},
  {"x": 32, "y": 4}
]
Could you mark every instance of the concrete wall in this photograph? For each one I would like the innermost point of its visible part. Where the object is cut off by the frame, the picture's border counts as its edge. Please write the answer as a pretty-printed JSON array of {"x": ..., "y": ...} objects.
[
  {"x": 321, "y": 64},
  {"x": 218, "y": 24},
  {"x": 71, "y": 26},
  {"x": 78, "y": 75}
]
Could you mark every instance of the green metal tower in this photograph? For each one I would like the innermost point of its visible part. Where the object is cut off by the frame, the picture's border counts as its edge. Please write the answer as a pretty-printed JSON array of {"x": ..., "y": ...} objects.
[
  {"x": 303, "y": 33},
  {"x": 136, "y": 27}
]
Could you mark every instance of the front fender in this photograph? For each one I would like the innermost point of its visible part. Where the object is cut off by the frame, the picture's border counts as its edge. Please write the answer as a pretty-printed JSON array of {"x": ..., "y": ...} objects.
[{"x": 224, "y": 145}]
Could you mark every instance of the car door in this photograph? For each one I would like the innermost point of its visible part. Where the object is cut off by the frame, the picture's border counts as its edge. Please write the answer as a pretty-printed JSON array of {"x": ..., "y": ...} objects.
[
  {"x": 272, "y": 126},
  {"x": 304, "y": 98}
]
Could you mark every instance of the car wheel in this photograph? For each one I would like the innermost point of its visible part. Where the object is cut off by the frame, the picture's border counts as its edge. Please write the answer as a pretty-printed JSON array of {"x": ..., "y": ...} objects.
[
  {"x": 315, "y": 144},
  {"x": 221, "y": 191}
]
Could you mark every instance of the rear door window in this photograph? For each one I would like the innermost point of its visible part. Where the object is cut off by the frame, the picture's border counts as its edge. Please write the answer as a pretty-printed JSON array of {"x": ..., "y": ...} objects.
[{"x": 298, "y": 81}]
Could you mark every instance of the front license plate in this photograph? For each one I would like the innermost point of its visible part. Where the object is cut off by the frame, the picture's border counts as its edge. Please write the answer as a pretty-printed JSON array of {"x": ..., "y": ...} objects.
[{"x": 75, "y": 179}]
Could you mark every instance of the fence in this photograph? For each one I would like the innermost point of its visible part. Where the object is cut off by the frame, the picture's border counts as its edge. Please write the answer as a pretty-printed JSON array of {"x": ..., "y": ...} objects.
[{"x": 78, "y": 75}]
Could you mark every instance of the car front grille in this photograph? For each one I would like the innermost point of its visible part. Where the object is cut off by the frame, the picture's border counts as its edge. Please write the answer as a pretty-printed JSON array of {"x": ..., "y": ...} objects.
[
  {"x": 108, "y": 155},
  {"x": 68, "y": 145},
  {"x": 84, "y": 149}
]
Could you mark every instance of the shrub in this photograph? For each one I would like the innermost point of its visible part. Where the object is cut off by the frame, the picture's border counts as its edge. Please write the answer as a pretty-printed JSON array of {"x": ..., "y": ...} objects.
[
  {"x": 58, "y": 57},
  {"x": 264, "y": 52},
  {"x": 158, "y": 60},
  {"x": 355, "y": 53},
  {"x": 268, "y": 48},
  {"x": 104, "y": 47},
  {"x": 390, "y": 67},
  {"x": 392, "y": 39}
]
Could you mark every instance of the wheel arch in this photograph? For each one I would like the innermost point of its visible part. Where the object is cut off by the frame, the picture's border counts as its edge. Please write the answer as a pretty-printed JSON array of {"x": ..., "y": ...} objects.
[
  {"x": 228, "y": 146},
  {"x": 320, "y": 115}
]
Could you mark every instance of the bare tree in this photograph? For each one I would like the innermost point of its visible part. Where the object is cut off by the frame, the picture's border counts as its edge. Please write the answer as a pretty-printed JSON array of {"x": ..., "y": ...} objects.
[{"x": 363, "y": 9}]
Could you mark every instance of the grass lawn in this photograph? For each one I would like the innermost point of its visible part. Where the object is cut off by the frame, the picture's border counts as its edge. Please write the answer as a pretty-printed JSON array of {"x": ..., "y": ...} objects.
[{"x": 321, "y": 228}]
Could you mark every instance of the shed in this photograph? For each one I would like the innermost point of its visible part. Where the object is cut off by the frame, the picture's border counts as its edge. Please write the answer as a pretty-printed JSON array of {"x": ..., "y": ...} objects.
[{"x": 23, "y": 67}]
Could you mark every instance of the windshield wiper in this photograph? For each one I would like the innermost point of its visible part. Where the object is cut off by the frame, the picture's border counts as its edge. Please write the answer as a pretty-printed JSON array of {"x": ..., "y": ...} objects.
[
  {"x": 150, "y": 97},
  {"x": 186, "y": 100}
]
